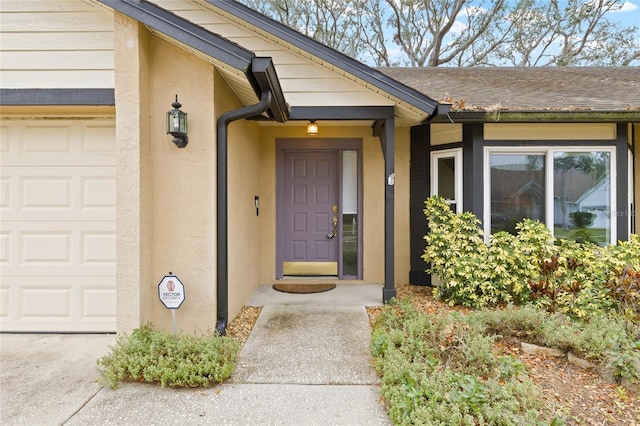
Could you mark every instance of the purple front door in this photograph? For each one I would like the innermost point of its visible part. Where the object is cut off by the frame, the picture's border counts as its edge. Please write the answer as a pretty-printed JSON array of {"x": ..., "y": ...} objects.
[{"x": 310, "y": 213}]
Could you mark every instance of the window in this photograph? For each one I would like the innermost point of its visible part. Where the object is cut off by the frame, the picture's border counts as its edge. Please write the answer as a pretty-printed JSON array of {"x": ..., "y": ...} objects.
[
  {"x": 350, "y": 213},
  {"x": 446, "y": 176},
  {"x": 568, "y": 189}
]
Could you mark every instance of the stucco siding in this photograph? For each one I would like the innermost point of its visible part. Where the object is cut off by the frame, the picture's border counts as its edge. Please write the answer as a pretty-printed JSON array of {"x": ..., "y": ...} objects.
[
  {"x": 133, "y": 176},
  {"x": 183, "y": 185},
  {"x": 55, "y": 44}
]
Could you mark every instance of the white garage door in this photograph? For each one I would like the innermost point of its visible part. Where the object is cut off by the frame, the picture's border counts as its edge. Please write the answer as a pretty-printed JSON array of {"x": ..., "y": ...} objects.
[{"x": 57, "y": 237}]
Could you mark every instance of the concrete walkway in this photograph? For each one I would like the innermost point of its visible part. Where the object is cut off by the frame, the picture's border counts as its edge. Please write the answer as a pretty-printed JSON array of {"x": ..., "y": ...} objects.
[{"x": 306, "y": 362}]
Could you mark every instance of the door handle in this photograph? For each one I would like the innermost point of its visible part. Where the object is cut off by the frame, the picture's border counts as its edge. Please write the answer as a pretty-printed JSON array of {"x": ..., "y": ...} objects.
[{"x": 333, "y": 233}]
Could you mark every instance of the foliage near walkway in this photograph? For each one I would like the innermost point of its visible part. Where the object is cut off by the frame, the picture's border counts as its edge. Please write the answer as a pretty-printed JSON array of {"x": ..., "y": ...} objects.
[
  {"x": 152, "y": 356},
  {"x": 448, "y": 367},
  {"x": 441, "y": 370}
]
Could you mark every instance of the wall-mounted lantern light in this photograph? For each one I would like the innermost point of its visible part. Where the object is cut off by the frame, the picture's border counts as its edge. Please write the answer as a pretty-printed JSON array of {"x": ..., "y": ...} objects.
[
  {"x": 312, "y": 128},
  {"x": 177, "y": 124}
]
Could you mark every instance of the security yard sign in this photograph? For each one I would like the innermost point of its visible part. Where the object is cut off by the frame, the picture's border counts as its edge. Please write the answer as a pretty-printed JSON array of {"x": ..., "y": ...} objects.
[{"x": 171, "y": 291}]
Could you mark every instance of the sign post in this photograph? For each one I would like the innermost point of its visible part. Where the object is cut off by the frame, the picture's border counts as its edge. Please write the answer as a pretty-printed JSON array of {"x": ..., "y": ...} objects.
[{"x": 171, "y": 294}]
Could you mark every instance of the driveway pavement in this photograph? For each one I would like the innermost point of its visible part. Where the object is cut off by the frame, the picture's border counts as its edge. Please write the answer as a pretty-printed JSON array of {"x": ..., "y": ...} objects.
[{"x": 306, "y": 363}]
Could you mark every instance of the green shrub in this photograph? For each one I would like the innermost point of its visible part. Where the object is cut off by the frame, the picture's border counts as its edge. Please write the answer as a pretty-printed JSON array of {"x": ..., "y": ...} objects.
[
  {"x": 475, "y": 274},
  {"x": 577, "y": 279},
  {"x": 582, "y": 219},
  {"x": 151, "y": 356},
  {"x": 625, "y": 291}
]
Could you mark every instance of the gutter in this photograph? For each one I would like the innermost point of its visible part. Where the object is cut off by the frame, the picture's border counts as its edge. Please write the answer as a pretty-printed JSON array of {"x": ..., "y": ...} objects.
[
  {"x": 264, "y": 80},
  {"x": 222, "y": 293}
]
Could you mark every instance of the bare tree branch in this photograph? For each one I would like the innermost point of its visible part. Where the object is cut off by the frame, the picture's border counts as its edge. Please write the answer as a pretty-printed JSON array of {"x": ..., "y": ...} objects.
[{"x": 464, "y": 32}]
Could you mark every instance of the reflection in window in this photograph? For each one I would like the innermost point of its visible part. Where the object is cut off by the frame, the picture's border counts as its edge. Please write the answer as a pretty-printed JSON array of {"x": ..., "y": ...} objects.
[
  {"x": 446, "y": 178},
  {"x": 517, "y": 190},
  {"x": 569, "y": 190},
  {"x": 349, "y": 213},
  {"x": 582, "y": 196}
]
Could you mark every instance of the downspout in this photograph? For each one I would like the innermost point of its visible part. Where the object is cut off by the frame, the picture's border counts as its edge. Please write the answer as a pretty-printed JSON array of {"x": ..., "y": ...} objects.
[{"x": 222, "y": 296}]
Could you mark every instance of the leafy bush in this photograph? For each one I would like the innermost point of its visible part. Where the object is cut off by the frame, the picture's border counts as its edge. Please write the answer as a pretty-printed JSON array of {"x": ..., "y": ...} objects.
[
  {"x": 155, "y": 357},
  {"x": 582, "y": 219},
  {"x": 475, "y": 274},
  {"x": 578, "y": 279},
  {"x": 625, "y": 291}
]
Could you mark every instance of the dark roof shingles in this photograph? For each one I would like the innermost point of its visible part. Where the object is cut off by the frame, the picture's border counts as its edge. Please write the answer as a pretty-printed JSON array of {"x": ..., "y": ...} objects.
[{"x": 530, "y": 89}]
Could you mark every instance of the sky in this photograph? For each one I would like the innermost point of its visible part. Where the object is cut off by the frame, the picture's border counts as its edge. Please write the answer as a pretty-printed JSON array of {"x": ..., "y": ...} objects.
[{"x": 629, "y": 15}]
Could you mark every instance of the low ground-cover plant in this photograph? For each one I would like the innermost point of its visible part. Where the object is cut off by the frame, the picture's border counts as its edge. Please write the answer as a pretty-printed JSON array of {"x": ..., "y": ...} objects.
[
  {"x": 600, "y": 340},
  {"x": 444, "y": 370},
  {"x": 151, "y": 356},
  {"x": 440, "y": 370},
  {"x": 578, "y": 279}
]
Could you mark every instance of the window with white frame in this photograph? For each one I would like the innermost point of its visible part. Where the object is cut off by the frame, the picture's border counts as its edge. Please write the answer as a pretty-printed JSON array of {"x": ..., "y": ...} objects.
[
  {"x": 446, "y": 176},
  {"x": 571, "y": 190}
]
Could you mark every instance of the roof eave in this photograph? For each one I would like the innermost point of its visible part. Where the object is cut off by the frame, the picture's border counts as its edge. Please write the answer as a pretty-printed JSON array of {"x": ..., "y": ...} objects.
[
  {"x": 533, "y": 116},
  {"x": 184, "y": 31},
  {"x": 329, "y": 55},
  {"x": 259, "y": 72}
]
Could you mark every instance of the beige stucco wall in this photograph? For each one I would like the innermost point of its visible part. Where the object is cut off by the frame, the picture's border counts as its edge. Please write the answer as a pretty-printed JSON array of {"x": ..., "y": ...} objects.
[
  {"x": 373, "y": 198},
  {"x": 166, "y": 195},
  {"x": 183, "y": 185},
  {"x": 133, "y": 174}
]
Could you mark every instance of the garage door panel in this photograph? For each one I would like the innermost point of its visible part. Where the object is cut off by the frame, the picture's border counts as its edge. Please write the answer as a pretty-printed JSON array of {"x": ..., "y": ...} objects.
[
  {"x": 4, "y": 138},
  {"x": 98, "y": 139},
  {"x": 62, "y": 248},
  {"x": 46, "y": 192},
  {"x": 4, "y": 303},
  {"x": 57, "y": 234},
  {"x": 46, "y": 139},
  {"x": 58, "y": 193},
  {"x": 64, "y": 304},
  {"x": 5, "y": 182},
  {"x": 5, "y": 248},
  {"x": 59, "y": 142},
  {"x": 46, "y": 248}
]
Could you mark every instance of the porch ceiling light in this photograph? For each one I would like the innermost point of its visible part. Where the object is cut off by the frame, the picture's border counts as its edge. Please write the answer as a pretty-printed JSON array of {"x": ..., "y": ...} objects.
[
  {"x": 177, "y": 124},
  {"x": 312, "y": 128}
]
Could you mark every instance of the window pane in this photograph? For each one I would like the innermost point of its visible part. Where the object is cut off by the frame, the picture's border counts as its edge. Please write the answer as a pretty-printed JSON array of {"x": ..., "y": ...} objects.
[
  {"x": 517, "y": 190},
  {"x": 349, "y": 245},
  {"x": 446, "y": 178},
  {"x": 349, "y": 213},
  {"x": 350, "y": 182},
  {"x": 582, "y": 196}
]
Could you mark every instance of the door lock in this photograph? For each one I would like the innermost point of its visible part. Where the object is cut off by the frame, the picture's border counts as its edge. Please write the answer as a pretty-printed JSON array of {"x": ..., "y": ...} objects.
[{"x": 333, "y": 233}]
